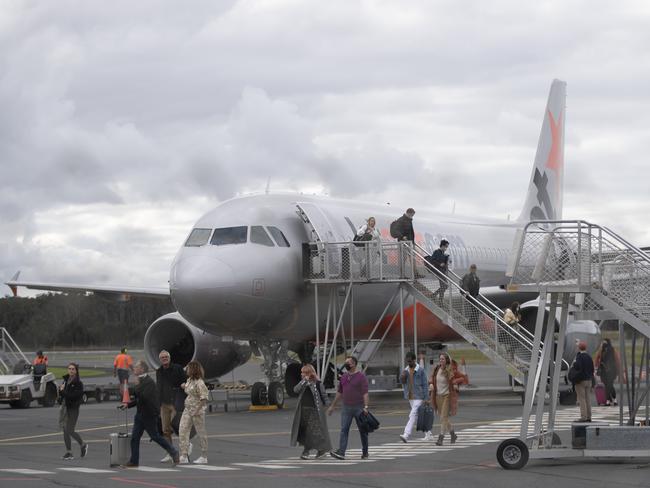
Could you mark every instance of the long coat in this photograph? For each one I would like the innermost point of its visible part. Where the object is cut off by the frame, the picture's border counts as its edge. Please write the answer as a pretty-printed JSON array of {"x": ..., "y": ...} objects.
[
  {"x": 455, "y": 378},
  {"x": 317, "y": 390}
]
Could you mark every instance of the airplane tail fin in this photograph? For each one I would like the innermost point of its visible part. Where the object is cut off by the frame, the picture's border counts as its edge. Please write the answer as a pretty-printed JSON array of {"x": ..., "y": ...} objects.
[{"x": 544, "y": 197}]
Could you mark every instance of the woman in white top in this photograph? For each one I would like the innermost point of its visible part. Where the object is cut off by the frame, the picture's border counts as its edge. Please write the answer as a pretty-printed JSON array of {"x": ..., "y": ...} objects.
[
  {"x": 444, "y": 394},
  {"x": 369, "y": 233}
]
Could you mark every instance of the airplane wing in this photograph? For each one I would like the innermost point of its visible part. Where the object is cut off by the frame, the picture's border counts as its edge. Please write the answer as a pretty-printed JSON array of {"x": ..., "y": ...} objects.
[{"x": 124, "y": 291}]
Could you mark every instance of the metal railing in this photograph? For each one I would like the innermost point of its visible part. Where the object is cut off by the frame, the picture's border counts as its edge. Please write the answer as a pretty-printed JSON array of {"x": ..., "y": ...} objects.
[
  {"x": 338, "y": 262},
  {"x": 10, "y": 353},
  {"x": 584, "y": 256}
]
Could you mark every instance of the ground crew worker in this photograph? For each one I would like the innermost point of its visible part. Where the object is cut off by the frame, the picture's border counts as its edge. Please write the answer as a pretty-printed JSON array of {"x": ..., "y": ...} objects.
[
  {"x": 122, "y": 366},
  {"x": 40, "y": 358}
]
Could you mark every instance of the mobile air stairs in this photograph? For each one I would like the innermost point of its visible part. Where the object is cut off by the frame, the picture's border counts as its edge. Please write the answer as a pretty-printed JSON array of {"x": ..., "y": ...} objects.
[
  {"x": 342, "y": 265},
  {"x": 606, "y": 277}
]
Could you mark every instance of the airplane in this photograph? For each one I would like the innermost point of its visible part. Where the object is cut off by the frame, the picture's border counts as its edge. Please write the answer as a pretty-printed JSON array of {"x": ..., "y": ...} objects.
[{"x": 237, "y": 281}]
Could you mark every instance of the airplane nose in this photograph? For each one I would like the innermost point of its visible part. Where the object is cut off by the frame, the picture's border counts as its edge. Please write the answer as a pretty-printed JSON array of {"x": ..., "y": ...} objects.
[{"x": 194, "y": 273}]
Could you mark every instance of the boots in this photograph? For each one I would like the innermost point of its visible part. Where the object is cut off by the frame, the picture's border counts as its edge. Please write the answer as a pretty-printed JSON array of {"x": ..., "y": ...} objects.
[
  {"x": 440, "y": 439},
  {"x": 453, "y": 436}
]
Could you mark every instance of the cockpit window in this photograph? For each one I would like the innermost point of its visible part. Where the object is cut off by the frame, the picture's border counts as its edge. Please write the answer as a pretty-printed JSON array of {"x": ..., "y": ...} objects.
[
  {"x": 229, "y": 235},
  {"x": 279, "y": 237},
  {"x": 198, "y": 237},
  {"x": 259, "y": 236}
]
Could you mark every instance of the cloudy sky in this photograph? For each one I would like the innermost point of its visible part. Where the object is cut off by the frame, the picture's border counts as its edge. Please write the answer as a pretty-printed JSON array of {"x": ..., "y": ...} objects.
[{"x": 122, "y": 122}]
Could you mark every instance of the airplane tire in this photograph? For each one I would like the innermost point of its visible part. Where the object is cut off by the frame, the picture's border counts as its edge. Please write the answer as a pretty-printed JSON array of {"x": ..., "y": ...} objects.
[
  {"x": 49, "y": 399},
  {"x": 258, "y": 393},
  {"x": 512, "y": 454},
  {"x": 276, "y": 394},
  {"x": 292, "y": 378}
]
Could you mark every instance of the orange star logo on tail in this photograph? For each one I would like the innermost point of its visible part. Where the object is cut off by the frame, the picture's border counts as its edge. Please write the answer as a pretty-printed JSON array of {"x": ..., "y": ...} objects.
[{"x": 555, "y": 159}]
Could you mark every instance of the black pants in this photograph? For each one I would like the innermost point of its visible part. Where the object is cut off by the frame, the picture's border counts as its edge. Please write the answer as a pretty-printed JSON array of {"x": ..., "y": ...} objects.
[
  {"x": 148, "y": 424},
  {"x": 72, "y": 416}
]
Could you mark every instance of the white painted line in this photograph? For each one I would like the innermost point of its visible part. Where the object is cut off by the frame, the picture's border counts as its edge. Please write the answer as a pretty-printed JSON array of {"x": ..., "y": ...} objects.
[
  {"x": 266, "y": 466},
  {"x": 26, "y": 471},
  {"x": 87, "y": 470},
  {"x": 149, "y": 469},
  {"x": 207, "y": 467}
]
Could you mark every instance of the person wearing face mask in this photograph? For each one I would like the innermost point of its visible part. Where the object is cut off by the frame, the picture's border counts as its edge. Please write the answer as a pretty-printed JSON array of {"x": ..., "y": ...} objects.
[
  {"x": 353, "y": 390},
  {"x": 309, "y": 427},
  {"x": 416, "y": 391}
]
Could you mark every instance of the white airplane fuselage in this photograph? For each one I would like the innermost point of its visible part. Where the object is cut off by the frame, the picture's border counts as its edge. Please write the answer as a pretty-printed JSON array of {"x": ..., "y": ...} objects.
[{"x": 250, "y": 290}]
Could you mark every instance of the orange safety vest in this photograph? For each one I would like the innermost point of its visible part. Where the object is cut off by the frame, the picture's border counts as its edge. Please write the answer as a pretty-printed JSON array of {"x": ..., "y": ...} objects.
[
  {"x": 40, "y": 360},
  {"x": 123, "y": 361}
]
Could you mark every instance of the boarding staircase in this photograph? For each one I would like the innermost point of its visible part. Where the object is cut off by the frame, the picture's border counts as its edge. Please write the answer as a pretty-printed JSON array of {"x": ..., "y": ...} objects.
[
  {"x": 10, "y": 353},
  {"x": 610, "y": 276},
  {"x": 475, "y": 319}
]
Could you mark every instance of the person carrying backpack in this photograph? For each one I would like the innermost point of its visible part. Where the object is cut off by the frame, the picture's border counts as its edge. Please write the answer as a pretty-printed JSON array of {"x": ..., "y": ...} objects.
[{"x": 402, "y": 228}]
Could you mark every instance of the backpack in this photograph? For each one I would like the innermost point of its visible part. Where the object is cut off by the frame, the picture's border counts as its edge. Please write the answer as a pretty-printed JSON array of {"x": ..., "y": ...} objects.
[{"x": 395, "y": 230}]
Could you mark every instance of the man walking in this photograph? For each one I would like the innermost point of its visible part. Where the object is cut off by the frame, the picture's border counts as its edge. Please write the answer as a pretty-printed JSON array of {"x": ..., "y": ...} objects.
[
  {"x": 440, "y": 260},
  {"x": 353, "y": 388},
  {"x": 416, "y": 391},
  {"x": 402, "y": 230},
  {"x": 584, "y": 367},
  {"x": 169, "y": 378},
  {"x": 122, "y": 366},
  {"x": 146, "y": 417},
  {"x": 471, "y": 284}
]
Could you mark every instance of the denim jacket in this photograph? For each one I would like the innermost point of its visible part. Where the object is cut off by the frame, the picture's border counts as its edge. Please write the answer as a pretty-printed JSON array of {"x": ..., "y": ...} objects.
[{"x": 420, "y": 383}]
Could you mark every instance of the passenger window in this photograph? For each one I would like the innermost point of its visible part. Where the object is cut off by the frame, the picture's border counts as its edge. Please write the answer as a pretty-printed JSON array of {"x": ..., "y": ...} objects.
[
  {"x": 278, "y": 236},
  {"x": 229, "y": 235},
  {"x": 198, "y": 237},
  {"x": 259, "y": 236}
]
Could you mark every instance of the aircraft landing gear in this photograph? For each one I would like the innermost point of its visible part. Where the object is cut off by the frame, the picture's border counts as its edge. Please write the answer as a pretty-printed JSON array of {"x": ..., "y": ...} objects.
[{"x": 275, "y": 359}]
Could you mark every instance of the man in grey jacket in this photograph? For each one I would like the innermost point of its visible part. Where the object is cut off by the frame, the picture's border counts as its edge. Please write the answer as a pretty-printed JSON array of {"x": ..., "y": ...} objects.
[{"x": 416, "y": 391}]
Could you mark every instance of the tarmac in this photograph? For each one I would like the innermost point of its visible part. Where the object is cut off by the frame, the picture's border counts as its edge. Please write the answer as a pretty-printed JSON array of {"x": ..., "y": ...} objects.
[{"x": 247, "y": 449}]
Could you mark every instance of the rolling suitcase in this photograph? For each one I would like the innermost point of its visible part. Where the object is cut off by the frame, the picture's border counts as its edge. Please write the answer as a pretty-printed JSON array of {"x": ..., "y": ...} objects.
[
  {"x": 120, "y": 445},
  {"x": 601, "y": 397}
]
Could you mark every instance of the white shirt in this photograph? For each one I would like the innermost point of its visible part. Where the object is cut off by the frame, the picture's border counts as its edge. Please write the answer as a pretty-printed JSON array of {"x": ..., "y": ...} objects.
[
  {"x": 376, "y": 236},
  {"x": 442, "y": 384}
]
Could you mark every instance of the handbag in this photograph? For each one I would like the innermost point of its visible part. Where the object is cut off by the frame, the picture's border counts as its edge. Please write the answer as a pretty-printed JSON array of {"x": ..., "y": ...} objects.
[
  {"x": 425, "y": 417},
  {"x": 367, "y": 422},
  {"x": 574, "y": 373},
  {"x": 359, "y": 240}
]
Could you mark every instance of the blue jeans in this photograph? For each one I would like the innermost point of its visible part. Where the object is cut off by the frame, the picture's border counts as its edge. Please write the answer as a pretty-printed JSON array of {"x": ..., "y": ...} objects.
[
  {"x": 150, "y": 425},
  {"x": 349, "y": 413}
]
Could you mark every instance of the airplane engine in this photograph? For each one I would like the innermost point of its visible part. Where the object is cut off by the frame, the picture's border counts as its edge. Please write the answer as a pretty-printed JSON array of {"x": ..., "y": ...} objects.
[
  {"x": 186, "y": 342},
  {"x": 583, "y": 330}
]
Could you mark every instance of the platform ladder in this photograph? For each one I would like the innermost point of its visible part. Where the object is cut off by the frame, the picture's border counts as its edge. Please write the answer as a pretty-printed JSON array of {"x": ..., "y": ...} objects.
[
  {"x": 606, "y": 277},
  {"x": 10, "y": 353}
]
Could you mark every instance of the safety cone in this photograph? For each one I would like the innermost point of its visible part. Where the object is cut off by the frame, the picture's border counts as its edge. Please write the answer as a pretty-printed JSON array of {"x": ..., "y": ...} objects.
[{"x": 126, "y": 398}]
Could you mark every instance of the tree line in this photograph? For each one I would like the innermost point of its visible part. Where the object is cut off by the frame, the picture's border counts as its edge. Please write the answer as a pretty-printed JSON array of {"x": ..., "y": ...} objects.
[{"x": 54, "y": 321}]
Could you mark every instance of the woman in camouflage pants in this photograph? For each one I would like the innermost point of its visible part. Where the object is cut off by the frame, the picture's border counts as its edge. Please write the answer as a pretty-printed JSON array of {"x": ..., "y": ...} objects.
[{"x": 194, "y": 413}]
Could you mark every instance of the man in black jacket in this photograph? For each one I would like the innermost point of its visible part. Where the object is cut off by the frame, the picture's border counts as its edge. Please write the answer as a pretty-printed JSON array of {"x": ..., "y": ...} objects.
[
  {"x": 440, "y": 260},
  {"x": 471, "y": 285},
  {"x": 583, "y": 378},
  {"x": 146, "y": 418},
  {"x": 169, "y": 378},
  {"x": 404, "y": 225}
]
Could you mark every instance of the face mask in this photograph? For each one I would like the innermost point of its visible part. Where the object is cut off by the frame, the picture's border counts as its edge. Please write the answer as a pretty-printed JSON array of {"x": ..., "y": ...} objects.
[{"x": 347, "y": 366}]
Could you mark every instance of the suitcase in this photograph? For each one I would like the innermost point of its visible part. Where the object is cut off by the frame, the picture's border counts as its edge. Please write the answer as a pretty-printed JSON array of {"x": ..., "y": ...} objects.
[
  {"x": 601, "y": 397},
  {"x": 120, "y": 444},
  {"x": 120, "y": 448}
]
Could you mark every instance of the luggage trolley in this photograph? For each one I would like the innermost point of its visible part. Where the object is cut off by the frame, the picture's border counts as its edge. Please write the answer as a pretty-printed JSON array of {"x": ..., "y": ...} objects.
[{"x": 589, "y": 439}]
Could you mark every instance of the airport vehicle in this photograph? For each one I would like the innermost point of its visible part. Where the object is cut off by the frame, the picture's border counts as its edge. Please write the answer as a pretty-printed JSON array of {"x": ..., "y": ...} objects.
[
  {"x": 237, "y": 282},
  {"x": 28, "y": 383}
]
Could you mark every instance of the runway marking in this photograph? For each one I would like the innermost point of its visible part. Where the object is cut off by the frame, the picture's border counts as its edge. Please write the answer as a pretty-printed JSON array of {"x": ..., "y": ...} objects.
[
  {"x": 266, "y": 466},
  {"x": 207, "y": 467},
  {"x": 26, "y": 471},
  {"x": 151, "y": 469},
  {"x": 87, "y": 470}
]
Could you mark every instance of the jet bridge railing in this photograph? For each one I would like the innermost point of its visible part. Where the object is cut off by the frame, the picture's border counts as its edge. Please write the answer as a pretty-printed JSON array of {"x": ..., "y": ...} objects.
[
  {"x": 358, "y": 262},
  {"x": 584, "y": 257}
]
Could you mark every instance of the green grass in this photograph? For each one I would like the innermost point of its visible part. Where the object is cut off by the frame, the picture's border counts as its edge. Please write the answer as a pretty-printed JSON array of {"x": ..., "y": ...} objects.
[{"x": 85, "y": 373}]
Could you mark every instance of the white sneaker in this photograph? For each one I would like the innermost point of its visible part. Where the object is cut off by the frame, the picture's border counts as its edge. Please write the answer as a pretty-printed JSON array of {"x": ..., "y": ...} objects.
[
  {"x": 166, "y": 459},
  {"x": 428, "y": 437},
  {"x": 404, "y": 438},
  {"x": 189, "y": 449},
  {"x": 184, "y": 460},
  {"x": 201, "y": 460}
]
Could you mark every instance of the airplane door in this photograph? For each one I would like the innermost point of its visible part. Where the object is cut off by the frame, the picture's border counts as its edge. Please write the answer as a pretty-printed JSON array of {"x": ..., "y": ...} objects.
[{"x": 320, "y": 230}]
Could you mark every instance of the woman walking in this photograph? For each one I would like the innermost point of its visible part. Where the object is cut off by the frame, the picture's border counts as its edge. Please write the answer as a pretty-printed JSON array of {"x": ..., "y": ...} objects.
[
  {"x": 194, "y": 413},
  {"x": 370, "y": 251},
  {"x": 309, "y": 427},
  {"x": 608, "y": 367},
  {"x": 444, "y": 395},
  {"x": 71, "y": 392}
]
